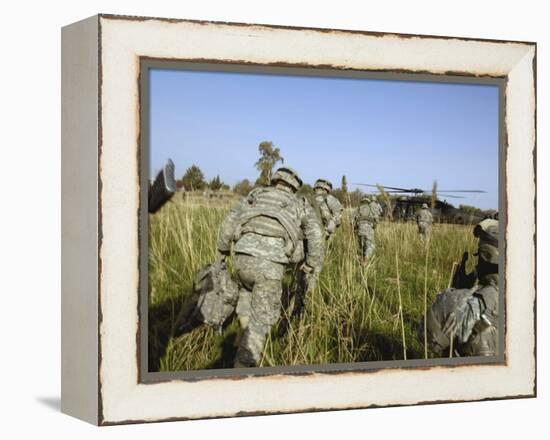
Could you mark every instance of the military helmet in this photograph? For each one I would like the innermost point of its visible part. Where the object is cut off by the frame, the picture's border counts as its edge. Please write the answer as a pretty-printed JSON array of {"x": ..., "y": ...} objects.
[
  {"x": 364, "y": 199},
  {"x": 287, "y": 175},
  {"x": 323, "y": 184},
  {"x": 424, "y": 205},
  {"x": 487, "y": 232}
]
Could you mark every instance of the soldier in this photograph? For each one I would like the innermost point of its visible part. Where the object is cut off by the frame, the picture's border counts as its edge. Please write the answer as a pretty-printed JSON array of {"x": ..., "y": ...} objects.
[
  {"x": 424, "y": 220},
  {"x": 269, "y": 230},
  {"x": 465, "y": 321},
  {"x": 163, "y": 187},
  {"x": 330, "y": 209},
  {"x": 376, "y": 207},
  {"x": 365, "y": 220}
]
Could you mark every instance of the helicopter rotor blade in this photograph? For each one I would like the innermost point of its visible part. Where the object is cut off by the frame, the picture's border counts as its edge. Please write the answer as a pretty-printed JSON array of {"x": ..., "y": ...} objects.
[
  {"x": 394, "y": 189},
  {"x": 383, "y": 186},
  {"x": 449, "y": 195},
  {"x": 461, "y": 191},
  {"x": 364, "y": 184}
]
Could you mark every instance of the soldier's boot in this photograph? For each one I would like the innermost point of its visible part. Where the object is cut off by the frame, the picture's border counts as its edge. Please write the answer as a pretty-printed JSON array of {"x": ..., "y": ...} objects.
[
  {"x": 187, "y": 326},
  {"x": 244, "y": 357},
  {"x": 251, "y": 346}
]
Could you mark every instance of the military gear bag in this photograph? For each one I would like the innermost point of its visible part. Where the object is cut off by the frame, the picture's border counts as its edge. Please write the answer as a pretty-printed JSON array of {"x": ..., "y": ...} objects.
[
  {"x": 217, "y": 294},
  {"x": 365, "y": 213},
  {"x": 438, "y": 314}
]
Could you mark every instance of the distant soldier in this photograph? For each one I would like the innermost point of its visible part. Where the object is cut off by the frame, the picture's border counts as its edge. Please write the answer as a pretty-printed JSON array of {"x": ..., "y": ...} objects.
[
  {"x": 424, "y": 220},
  {"x": 163, "y": 187},
  {"x": 330, "y": 208},
  {"x": 466, "y": 320},
  {"x": 270, "y": 229},
  {"x": 376, "y": 207},
  {"x": 365, "y": 220}
]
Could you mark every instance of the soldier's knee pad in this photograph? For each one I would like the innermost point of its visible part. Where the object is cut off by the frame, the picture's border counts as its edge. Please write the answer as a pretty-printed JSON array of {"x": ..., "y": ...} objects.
[
  {"x": 243, "y": 308},
  {"x": 244, "y": 321}
]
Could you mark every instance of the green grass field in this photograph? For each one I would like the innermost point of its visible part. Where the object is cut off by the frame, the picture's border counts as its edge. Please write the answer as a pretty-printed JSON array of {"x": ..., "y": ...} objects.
[{"x": 354, "y": 313}]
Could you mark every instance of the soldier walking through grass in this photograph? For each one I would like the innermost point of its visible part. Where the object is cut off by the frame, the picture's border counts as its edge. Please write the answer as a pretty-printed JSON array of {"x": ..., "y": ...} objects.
[
  {"x": 466, "y": 321},
  {"x": 270, "y": 229},
  {"x": 330, "y": 208},
  {"x": 424, "y": 220},
  {"x": 365, "y": 220}
]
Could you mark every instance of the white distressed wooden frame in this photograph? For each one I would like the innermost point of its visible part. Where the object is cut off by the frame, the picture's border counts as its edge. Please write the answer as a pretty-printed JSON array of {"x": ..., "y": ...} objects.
[{"x": 100, "y": 181}]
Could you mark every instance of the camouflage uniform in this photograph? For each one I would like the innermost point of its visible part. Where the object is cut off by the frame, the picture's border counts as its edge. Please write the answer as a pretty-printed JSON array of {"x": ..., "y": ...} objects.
[
  {"x": 330, "y": 208},
  {"x": 467, "y": 319},
  {"x": 268, "y": 229},
  {"x": 365, "y": 220},
  {"x": 375, "y": 206},
  {"x": 424, "y": 220}
]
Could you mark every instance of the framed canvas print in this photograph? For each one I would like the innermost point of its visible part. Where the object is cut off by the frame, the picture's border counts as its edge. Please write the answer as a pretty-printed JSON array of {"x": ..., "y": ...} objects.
[{"x": 264, "y": 219}]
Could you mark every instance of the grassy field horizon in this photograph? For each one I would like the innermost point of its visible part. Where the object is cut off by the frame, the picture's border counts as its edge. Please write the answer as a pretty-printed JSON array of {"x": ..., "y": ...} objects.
[{"x": 354, "y": 313}]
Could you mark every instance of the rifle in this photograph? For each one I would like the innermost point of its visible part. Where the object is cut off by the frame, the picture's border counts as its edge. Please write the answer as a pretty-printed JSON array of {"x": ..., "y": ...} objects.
[
  {"x": 303, "y": 283},
  {"x": 461, "y": 279},
  {"x": 163, "y": 187},
  {"x": 300, "y": 297}
]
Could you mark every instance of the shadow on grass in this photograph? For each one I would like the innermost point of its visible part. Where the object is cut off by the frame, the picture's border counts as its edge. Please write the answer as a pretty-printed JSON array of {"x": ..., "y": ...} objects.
[
  {"x": 371, "y": 344},
  {"x": 375, "y": 345},
  {"x": 164, "y": 320},
  {"x": 227, "y": 349},
  {"x": 172, "y": 319}
]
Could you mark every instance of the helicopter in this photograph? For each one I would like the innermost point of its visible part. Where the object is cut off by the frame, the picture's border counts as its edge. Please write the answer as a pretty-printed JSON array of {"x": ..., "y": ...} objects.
[{"x": 406, "y": 201}]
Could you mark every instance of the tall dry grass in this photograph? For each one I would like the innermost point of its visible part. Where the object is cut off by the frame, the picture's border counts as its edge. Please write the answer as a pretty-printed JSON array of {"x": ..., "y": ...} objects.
[{"x": 355, "y": 313}]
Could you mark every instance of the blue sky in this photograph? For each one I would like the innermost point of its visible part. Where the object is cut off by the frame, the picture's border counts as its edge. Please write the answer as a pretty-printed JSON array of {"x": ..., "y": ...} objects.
[{"x": 397, "y": 133}]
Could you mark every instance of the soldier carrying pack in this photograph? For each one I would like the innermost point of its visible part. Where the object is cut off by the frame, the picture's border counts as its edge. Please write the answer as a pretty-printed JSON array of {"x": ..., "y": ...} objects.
[
  {"x": 330, "y": 208},
  {"x": 466, "y": 321}
]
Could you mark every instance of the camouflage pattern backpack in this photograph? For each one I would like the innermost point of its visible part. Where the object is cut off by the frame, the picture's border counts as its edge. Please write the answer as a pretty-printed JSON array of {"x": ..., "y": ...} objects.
[
  {"x": 267, "y": 212},
  {"x": 335, "y": 207},
  {"x": 366, "y": 213},
  {"x": 446, "y": 302},
  {"x": 466, "y": 320},
  {"x": 329, "y": 210},
  {"x": 217, "y": 294}
]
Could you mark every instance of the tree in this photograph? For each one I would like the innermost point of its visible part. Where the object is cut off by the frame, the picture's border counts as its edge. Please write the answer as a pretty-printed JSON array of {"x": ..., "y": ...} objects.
[
  {"x": 434, "y": 195},
  {"x": 344, "y": 188},
  {"x": 193, "y": 179},
  {"x": 243, "y": 187},
  {"x": 269, "y": 156},
  {"x": 216, "y": 183}
]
